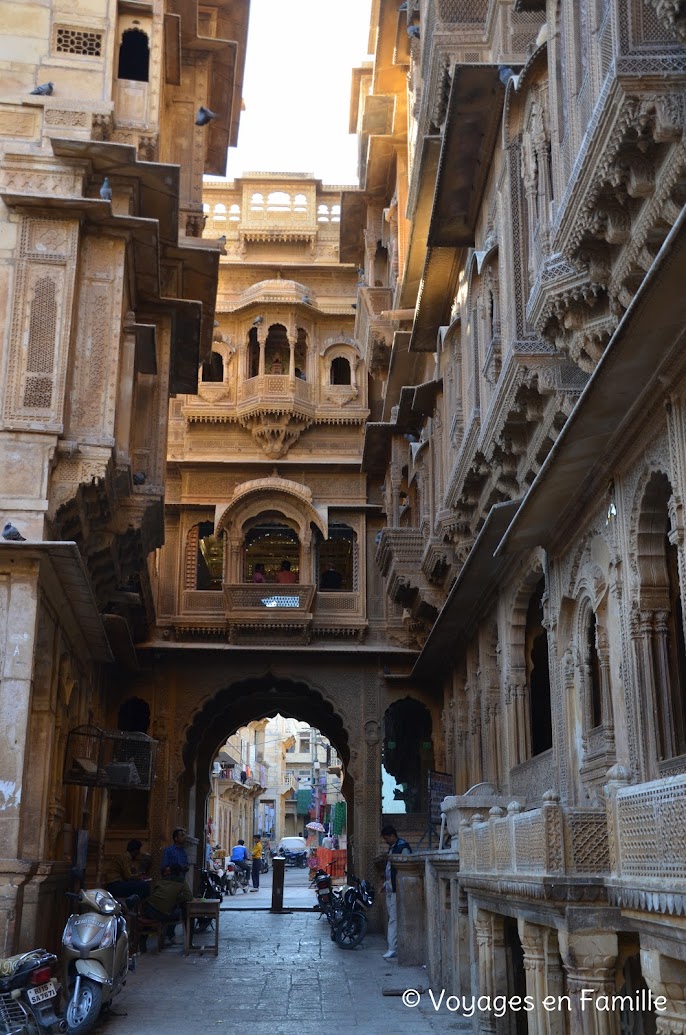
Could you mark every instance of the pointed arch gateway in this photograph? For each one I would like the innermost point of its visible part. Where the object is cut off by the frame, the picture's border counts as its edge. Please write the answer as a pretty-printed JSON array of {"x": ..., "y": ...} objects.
[{"x": 237, "y": 704}]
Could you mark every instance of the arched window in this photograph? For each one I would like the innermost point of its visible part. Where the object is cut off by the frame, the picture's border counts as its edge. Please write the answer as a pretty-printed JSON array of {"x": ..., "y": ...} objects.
[
  {"x": 340, "y": 371},
  {"x": 407, "y": 756},
  {"x": 300, "y": 203},
  {"x": 134, "y": 56},
  {"x": 279, "y": 201},
  {"x": 595, "y": 700},
  {"x": 257, "y": 202},
  {"x": 538, "y": 674},
  {"x": 269, "y": 544},
  {"x": 220, "y": 213},
  {"x": 276, "y": 350},
  {"x": 338, "y": 560},
  {"x": 234, "y": 213},
  {"x": 213, "y": 368}
]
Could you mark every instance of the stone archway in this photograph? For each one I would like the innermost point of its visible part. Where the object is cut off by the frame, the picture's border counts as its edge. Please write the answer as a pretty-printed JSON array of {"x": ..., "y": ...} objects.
[{"x": 238, "y": 704}]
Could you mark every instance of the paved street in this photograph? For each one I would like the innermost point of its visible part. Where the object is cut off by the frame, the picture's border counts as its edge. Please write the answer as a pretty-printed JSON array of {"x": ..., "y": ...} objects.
[{"x": 275, "y": 975}]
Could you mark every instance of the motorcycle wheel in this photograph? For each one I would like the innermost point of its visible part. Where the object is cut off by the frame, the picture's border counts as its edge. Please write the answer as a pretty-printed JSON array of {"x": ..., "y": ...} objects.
[
  {"x": 264, "y": 868},
  {"x": 82, "y": 1014},
  {"x": 351, "y": 931},
  {"x": 233, "y": 886},
  {"x": 302, "y": 862}
]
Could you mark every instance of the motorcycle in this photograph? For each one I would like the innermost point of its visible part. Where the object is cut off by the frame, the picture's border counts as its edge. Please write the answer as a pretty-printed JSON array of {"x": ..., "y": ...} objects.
[
  {"x": 329, "y": 899},
  {"x": 351, "y": 926},
  {"x": 210, "y": 885},
  {"x": 29, "y": 994},
  {"x": 294, "y": 858},
  {"x": 264, "y": 865},
  {"x": 242, "y": 878},
  {"x": 95, "y": 957}
]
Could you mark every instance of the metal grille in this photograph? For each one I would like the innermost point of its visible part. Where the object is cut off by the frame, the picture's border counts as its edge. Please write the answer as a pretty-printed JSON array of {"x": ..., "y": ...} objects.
[
  {"x": 13, "y": 1016},
  {"x": 109, "y": 758},
  {"x": 77, "y": 41}
]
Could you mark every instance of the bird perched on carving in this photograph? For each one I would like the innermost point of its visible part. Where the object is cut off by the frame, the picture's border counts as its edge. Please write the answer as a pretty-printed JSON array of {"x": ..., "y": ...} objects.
[
  {"x": 257, "y": 321},
  {"x": 353, "y": 305},
  {"x": 409, "y": 437},
  {"x": 44, "y": 90},
  {"x": 106, "y": 190},
  {"x": 204, "y": 116},
  {"x": 306, "y": 300},
  {"x": 413, "y": 32},
  {"x": 12, "y": 534},
  {"x": 222, "y": 239},
  {"x": 505, "y": 74},
  {"x": 139, "y": 478}
]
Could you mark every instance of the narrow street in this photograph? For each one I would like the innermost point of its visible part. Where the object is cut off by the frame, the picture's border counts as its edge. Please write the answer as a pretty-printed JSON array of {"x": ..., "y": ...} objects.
[{"x": 275, "y": 975}]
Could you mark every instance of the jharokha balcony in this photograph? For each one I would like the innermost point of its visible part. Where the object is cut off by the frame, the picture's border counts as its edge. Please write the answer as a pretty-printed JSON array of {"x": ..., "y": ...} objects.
[{"x": 269, "y": 614}]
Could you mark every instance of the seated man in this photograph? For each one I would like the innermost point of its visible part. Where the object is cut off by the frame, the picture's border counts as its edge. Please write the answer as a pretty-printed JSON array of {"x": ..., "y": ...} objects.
[
  {"x": 120, "y": 879},
  {"x": 284, "y": 575},
  {"x": 167, "y": 900},
  {"x": 175, "y": 853},
  {"x": 239, "y": 857}
]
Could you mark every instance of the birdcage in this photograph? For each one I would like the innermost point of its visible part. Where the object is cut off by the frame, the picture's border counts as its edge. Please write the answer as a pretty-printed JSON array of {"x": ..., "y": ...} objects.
[{"x": 109, "y": 758}]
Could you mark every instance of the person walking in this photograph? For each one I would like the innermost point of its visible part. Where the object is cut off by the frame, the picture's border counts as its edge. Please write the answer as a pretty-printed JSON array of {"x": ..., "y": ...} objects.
[
  {"x": 256, "y": 862},
  {"x": 396, "y": 846}
]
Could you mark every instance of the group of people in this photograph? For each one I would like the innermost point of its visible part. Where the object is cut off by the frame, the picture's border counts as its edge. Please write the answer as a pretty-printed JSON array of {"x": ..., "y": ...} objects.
[
  {"x": 164, "y": 899},
  {"x": 239, "y": 857},
  {"x": 284, "y": 576},
  {"x": 330, "y": 578}
]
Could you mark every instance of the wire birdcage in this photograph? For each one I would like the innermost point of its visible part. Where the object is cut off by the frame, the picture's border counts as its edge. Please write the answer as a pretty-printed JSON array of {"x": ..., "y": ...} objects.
[{"x": 109, "y": 758}]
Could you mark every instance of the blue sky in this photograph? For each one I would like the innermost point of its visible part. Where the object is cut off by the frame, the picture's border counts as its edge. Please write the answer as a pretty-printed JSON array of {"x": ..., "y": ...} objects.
[{"x": 297, "y": 88}]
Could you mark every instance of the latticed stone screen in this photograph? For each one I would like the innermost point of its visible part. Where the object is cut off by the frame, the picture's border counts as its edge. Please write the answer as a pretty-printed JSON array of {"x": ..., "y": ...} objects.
[
  {"x": 41, "y": 351},
  {"x": 462, "y": 10},
  {"x": 77, "y": 41}
]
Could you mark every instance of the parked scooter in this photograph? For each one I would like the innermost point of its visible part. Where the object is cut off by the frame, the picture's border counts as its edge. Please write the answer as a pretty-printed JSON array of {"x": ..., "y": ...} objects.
[
  {"x": 329, "y": 899},
  {"x": 95, "y": 955},
  {"x": 29, "y": 994}
]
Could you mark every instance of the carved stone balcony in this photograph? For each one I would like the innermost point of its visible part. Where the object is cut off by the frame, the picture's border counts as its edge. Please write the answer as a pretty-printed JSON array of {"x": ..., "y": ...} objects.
[
  {"x": 647, "y": 843},
  {"x": 340, "y": 614},
  {"x": 552, "y": 841},
  {"x": 374, "y": 333},
  {"x": 399, "y": 556},
  {"x": 269, "y": 613}
]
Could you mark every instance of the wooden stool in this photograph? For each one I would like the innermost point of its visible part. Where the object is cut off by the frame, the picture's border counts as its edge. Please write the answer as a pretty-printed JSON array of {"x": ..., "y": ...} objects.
[
  {"x": 201, "y": 907},
  {"x": 145, "y": 925}
]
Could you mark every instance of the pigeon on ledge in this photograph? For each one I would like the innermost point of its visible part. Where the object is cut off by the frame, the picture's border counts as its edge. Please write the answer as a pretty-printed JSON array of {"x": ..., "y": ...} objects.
[
  {"x": 44, "y": 90},
  {"x": 139, "y": 478},
  {"x": 106, "y": 190},
  {"x": 204, "y": 116},
  {"x": 505, "y": 74},
  {"x": 12, "y": 534}
]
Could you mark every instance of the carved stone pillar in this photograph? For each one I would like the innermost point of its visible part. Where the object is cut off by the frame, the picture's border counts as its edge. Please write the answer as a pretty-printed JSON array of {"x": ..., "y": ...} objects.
[
  {"x": 411, "y": 911},
  {"x": 291, "y": 357},
  {"x": 666, "y": 977},
  {"x": 260, "y": 366},
  {"x": 492, "y": 967},
  {"x": 122, "y": 426},
  {"x": 666, "y": 725},
  {"x": 543, "y": 976},
  {"x": 590, "y": 961}
]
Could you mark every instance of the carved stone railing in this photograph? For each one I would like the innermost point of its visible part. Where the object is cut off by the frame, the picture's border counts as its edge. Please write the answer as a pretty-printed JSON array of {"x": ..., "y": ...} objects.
[
  {"x": 268, "y": 599},
  {"x": 202, "y": 602},
  {"x": 273, "y": 389},
  {"x": 334, "y": 603},
  {"x": 647, "y": 824},
  {"x": 553, "y": 840}
]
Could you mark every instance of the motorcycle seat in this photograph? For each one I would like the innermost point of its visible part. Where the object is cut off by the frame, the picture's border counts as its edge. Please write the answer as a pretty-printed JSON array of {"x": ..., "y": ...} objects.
[{"x": 9, "y": 966}]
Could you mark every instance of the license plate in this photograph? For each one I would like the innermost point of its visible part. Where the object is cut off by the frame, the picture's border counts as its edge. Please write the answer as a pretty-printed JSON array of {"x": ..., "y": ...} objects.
[{"x": 41, "y": 992}]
